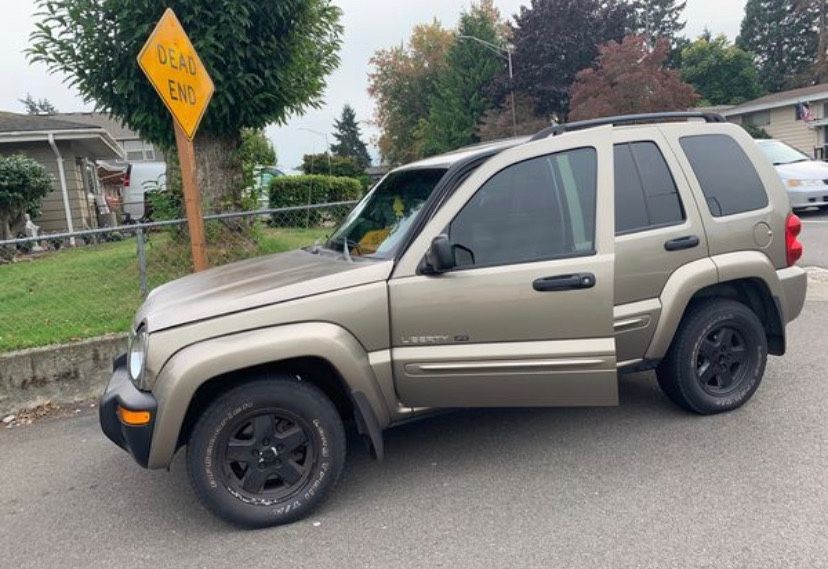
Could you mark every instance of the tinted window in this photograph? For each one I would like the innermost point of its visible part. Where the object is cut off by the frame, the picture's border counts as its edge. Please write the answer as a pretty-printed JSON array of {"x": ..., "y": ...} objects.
[
  {"x": 645, "y": 192},
  {"x": 725, "y": 173},
  {"x": 538, "y": 209}
]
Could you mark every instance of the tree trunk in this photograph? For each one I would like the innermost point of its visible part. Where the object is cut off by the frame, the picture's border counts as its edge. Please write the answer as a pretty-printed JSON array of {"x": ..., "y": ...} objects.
[
  {"x": 5, "y": 229},
  {"x": 219, "y": 170}
]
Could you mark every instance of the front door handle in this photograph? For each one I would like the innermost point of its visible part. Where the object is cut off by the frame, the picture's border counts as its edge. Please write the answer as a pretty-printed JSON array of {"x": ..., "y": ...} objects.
[
  {"x": 687, "y": 242},
  {"x": 565, "y": 282}
]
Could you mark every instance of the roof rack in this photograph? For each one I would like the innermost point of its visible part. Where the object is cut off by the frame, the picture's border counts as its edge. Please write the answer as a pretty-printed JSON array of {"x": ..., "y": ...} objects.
[{"x": 557, "y": 129}]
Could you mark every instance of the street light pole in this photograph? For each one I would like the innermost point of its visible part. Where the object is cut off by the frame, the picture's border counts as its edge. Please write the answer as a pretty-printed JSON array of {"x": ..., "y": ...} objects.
[
  {"x": 327, "y": 145},
  {"x": 505, "y": 53}
]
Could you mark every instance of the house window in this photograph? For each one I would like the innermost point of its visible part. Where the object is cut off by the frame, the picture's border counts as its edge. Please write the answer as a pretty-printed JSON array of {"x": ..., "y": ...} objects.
[
  {"x": 760, "y": 119},
  {"x": 137, "y": 150}
]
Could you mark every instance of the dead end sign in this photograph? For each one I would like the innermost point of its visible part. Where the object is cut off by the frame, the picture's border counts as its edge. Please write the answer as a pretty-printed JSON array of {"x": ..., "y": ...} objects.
[{"x": 172, "y": 65}]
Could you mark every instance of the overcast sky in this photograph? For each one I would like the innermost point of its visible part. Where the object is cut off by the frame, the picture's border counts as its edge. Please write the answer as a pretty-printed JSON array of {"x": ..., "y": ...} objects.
[{"x": 369, "y": 25}]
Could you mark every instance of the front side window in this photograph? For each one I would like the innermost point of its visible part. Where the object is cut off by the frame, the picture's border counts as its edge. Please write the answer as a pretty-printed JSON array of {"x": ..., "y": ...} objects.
[
  {"x": 377, "y": 224},
  {"x": 725, "y": 173},
  {"x": 542, "y": 208}
]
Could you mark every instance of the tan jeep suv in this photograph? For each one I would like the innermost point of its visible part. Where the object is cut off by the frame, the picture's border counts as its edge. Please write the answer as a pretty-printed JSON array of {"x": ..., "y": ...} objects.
[{"x": 526, "y": 272}]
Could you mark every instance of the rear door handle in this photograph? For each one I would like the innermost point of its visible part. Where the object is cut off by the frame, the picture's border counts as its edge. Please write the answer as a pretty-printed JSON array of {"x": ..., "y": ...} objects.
[
  {"x": 687, "y": 242},
  {"x": 565, "y": 282}
]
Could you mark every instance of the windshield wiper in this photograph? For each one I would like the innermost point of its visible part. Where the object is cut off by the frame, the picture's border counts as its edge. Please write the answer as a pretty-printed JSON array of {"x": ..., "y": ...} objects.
[{"x": 347, "y": 245}]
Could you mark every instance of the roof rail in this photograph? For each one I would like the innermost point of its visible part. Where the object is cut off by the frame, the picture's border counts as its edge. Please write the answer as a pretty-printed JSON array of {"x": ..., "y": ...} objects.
[{"x": 557, "y": 129}]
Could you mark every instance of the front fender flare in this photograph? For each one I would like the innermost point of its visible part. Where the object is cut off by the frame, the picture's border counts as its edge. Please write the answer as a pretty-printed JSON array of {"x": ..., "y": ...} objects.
[{"x": 189, "y": 368}]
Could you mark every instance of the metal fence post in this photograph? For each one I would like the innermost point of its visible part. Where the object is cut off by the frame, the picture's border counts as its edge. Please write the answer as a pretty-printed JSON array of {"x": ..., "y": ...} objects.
[{"x": 142, "y": 261}]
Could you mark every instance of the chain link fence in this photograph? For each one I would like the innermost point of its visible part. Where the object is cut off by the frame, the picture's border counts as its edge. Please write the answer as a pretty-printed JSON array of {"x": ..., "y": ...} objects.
[{"x": 62, "y": 287}]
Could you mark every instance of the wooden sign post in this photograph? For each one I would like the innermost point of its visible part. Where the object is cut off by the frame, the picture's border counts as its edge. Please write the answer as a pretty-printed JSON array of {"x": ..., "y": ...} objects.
[{"x": 172, "y": 65}]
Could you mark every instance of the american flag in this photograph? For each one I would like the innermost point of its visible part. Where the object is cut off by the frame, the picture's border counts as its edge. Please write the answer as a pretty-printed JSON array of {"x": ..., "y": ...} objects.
[{"x": 803, "y": 112}]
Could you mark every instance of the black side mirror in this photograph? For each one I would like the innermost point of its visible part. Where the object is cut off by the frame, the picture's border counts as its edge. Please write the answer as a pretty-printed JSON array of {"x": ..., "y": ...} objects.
[{"x": 440, "y": 256}]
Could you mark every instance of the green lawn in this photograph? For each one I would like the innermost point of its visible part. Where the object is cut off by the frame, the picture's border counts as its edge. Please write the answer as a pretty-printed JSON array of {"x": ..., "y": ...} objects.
[{"x": 89, "y": 291}]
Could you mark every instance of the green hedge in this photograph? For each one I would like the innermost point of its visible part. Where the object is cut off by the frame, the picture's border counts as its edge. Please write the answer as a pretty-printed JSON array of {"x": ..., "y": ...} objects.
[{"x": 295, "y": 191}]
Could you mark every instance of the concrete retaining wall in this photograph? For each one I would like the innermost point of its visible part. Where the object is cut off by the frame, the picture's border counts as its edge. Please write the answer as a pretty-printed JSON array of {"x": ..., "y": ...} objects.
[{"x": 60, "y": 374}]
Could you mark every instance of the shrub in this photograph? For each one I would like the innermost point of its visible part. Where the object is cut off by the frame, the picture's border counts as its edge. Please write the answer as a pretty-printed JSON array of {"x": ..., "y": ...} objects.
[
  {"x": 297, "y": 191},
  {"x": 23, "y": 184}
]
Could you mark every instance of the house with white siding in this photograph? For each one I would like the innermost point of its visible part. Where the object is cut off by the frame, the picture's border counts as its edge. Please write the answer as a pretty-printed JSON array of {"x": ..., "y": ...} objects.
[{"x": 798, "y": 117}]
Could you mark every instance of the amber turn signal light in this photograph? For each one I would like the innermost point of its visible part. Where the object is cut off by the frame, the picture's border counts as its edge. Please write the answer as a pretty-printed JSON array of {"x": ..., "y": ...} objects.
[{"x": 134, "y": 418}]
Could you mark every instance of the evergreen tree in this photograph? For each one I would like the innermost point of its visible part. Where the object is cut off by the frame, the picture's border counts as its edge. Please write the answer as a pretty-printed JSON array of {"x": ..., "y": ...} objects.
[
  {"x": 38, "y": 106},
  {"x": 462, "y": 96},
  {"x": 655, "y": 19},
  {"x": 783, "y": 39},
  {"x": 348, "y": 138}
]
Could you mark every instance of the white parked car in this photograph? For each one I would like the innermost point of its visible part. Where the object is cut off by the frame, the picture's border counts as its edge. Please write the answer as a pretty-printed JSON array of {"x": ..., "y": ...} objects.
[{"x": 805, "y": 179}]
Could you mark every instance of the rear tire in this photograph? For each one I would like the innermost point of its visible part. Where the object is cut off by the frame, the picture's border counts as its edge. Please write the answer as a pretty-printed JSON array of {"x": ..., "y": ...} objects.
[
  {"x": 717, "y": 358},
  {"x": 267, "y": 452}
]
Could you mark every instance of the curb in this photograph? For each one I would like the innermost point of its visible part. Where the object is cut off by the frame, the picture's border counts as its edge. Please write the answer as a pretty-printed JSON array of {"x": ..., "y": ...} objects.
[{"x": 65, "y": 373}]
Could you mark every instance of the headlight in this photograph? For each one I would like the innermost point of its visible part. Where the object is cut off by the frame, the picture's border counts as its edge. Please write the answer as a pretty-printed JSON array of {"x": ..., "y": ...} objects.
[
  {"x": 137, "y": 356},
  {"x": 803, "y": 183}
]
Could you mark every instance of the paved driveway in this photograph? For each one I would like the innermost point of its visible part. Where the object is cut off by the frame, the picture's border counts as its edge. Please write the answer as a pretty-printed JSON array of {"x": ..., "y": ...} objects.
[
  {"x": 641, "y": 485},
  {"x": 815, "y": 237}
]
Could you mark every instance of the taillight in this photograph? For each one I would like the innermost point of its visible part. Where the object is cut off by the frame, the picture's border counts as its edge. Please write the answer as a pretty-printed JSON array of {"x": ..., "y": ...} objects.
[
  {"x": 793, "y": 248},
  {"x": 126, "y": 177}
]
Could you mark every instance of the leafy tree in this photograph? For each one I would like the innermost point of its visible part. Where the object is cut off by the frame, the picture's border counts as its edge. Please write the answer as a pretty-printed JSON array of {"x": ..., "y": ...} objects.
[
  {"x": 38, "y": 106},
  {"x": 721, "y": 73},
  {"x": 23, "y": 184},
  {"x": 403, "y": 83},
  {"x": 496, "y": 123},
  {"x": 462, "y": 95},
  {"x": 255, "y": 150},
  {"x": 630, "y": 77},
  {"x": 555, "y": 39},
  {"x": 349, "y": 142},
  {"x": 783, "y": 39},
  {"x": 268, "y": 60}
]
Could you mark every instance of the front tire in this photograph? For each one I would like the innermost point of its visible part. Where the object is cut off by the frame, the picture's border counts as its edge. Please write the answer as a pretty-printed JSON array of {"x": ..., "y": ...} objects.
[
  {"x": 717, "y": 359},
  {"x": 267, "y": 452}
]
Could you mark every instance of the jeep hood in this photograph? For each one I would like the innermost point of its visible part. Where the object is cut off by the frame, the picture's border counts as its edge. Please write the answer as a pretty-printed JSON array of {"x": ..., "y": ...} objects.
[{"x": 254, "y": 283}]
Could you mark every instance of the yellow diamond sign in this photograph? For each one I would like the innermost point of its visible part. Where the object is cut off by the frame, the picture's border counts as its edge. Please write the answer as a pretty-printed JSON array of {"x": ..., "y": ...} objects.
[{"x": 173, "y": 67}]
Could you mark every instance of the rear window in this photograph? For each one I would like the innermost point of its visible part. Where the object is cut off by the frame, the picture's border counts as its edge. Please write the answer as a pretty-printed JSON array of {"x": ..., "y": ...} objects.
[{"x": 725, "y": 173}]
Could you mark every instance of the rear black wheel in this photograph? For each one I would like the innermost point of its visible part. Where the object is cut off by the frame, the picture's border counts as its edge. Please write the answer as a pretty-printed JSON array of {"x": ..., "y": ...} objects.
[
  {"x": 266, "y": 453},
  {"x": 717, "y": 359}
]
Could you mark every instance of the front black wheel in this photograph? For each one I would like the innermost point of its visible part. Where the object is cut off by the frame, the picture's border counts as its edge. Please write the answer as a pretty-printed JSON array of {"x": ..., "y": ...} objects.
[
  {"x": 717, "y": 359},
  {"x": 267, "y": 452}
]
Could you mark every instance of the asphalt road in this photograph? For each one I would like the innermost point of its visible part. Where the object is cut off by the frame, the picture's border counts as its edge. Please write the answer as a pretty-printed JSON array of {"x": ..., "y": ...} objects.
[
  {"x": 640, "y": 485},
  {"x": 815, "y": 238}
]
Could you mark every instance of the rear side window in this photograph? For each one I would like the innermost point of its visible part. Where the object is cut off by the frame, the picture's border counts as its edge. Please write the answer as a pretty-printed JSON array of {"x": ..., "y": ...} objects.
[
  {"x": 726, "y": 175},
  {"x": 645, "y": 192}
]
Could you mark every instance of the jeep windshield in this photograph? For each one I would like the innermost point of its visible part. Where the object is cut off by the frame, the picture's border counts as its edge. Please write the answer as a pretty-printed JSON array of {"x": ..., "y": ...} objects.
[{"x": 378, "y": 223}]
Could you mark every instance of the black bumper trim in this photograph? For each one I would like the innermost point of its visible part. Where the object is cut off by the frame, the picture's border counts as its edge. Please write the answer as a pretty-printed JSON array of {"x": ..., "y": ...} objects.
[{"x": 120, "y": 391}]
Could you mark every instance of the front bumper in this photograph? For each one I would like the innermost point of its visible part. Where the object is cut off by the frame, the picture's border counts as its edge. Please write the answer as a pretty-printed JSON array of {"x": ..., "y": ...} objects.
[
  {"x": 808, "y": 196},
  {"x": 120, "y": 392}
]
